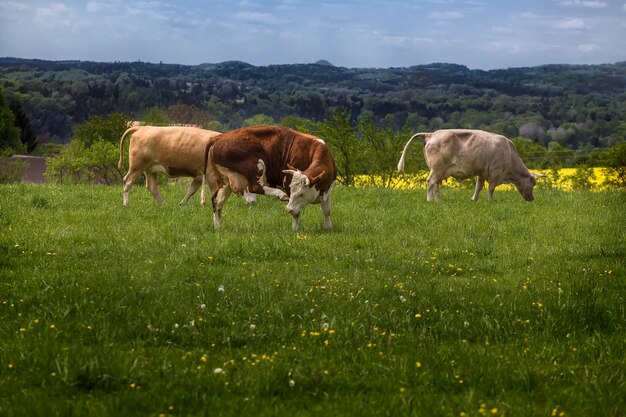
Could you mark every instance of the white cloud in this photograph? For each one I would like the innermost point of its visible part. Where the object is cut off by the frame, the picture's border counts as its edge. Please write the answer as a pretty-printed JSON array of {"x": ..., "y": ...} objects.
[
  {"x": 571, "y": 24},
  {"x": 588, "y": 48},
  {"x": 502, "y": 30},
  {"x": 445, "y": 15},
  {"x": 13, "y": 6},
  {"x": 531, "y": 16},
  {"x": 585, "y": 3},
  {"x": 256, "y": 17},
  {"x": 404, "y": 41},
  {"x": 100, "y": 7},
  {"x": 53, "y": 10},
  {"x": 475, "y": 3}
]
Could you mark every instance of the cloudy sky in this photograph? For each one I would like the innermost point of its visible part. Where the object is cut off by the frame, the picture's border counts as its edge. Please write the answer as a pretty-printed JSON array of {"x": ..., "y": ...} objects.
[{"x": 484, "y": 34}]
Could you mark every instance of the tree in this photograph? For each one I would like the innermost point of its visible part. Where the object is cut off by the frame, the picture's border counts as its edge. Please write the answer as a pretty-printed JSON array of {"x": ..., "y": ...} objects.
[
  {"x": 378, "y": 148},
  {"x": 10, "y": 142},
  {"x": 259, "y": 119},
  {"x": 341, "y": 139},
  {"x": 92, "y": 154},
  {"x": 186, "y": 114},
  {"x": 614, "y": 159},
  {"x": 294, "y": 122},
  {"x": 531, "y": 152},
  {"x": 558, "y": 156},
  {"x": 97, "y": 128},
  {"x": 156, "y": 117},
  {"x": 27, "y": 134}
]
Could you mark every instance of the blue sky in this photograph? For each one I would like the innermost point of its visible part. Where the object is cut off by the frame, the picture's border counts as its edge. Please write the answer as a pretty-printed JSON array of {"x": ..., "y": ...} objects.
[{"x": 483, "y": 34}]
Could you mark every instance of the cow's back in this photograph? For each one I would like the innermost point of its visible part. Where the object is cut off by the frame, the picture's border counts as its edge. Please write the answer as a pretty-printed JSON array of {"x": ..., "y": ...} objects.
[
  {"x": 176, "y": 150},
  {"x": 463, "y": 153}
]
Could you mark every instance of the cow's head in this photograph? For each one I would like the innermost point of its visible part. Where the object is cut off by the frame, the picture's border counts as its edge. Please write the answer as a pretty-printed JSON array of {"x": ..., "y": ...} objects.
[
  {"x": 526, "y": 183},
  {"x": 303, "y": 190}
]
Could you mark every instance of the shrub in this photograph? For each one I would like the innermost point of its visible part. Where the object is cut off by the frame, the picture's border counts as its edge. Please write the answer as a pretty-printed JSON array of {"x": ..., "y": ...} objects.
[
  {"x": 615, "y": 161},
  {"x": 11, "y": 171}
]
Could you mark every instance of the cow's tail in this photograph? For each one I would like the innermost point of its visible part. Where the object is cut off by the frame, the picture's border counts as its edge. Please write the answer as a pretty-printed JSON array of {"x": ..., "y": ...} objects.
[
  {"x": 403, "y": 157},
  {"x": 120, "y": 163},
  {"x": 207, "y": 148}
]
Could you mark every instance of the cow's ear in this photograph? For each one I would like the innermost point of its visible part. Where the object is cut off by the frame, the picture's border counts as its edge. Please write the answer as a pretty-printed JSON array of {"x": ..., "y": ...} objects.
[
  {"x": 289, "y": 171},
  {"x": 317, "y": 178}
]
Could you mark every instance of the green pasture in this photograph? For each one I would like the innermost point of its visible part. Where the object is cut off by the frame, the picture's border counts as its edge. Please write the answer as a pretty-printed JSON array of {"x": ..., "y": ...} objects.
[{"x": 406, "y": 308}]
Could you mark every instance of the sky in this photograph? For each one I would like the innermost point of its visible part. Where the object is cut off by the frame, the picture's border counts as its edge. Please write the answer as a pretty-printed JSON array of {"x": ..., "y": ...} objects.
[{"x": 481, "y": 34}]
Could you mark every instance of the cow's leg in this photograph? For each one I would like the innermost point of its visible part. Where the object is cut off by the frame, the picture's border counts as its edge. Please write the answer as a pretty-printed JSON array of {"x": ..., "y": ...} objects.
[
  {"x": 129, "y": 179},
  {"x": 432, "y": 187},
  {"x": 256, "y": 188},
  {"x": 492, "y": 188},
  {"x": 193, "y": 187},
  {"x": 280, "y": 194},
  {"x": 325, "y": 204},
  {"x": 219, "y": 198},
  {"x": 152, "y": 182},
  {"x": 480, "y": 183},
  {"x": 257, "y": 182}
]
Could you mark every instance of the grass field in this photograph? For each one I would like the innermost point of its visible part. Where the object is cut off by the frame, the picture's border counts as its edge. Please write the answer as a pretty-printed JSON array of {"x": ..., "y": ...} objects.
[{"x": 407, "y": 308}]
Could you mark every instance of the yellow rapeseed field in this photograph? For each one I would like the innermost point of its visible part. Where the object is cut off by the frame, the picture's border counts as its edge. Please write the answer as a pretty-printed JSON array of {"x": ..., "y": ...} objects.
[{"x": 595, "y": 179}]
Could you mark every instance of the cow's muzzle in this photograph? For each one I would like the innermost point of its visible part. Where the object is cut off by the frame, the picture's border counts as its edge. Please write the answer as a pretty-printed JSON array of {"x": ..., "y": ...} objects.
[{"x": 292, "y": 211}]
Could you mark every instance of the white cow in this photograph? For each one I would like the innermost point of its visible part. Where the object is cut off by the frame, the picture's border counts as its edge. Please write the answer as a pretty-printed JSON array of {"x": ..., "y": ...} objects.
[
  {"x": 177, "y": 151},
  {"x": 463, "y": 153}
]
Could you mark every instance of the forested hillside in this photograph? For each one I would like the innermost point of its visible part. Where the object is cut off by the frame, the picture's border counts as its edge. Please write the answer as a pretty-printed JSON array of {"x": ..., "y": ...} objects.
[{"x": 576, "y": 106}]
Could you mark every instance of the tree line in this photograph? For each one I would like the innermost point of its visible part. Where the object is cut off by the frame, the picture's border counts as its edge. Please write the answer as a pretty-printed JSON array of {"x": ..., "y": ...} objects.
[
  {"x": 573, "y": 105},
  {"x": 556, "y": 115},
  {"x": 362, "y": 149}
]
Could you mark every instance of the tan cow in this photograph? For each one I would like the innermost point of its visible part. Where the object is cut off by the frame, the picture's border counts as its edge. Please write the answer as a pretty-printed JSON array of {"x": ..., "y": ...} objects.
[
  {"x": 463, "y": 153},
  {"x": 175, "y": 150}
]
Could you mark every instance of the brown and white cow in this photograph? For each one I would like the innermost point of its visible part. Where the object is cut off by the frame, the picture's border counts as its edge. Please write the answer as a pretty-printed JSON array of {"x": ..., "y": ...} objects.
[
  {"x": 464, "y": 153},
  {"x": 271, "y": 160},
  {"x": 174, "y": 150}
]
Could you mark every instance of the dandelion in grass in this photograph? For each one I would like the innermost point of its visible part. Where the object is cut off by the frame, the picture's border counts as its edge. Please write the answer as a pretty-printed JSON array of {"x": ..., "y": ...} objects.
[
  {"x": 418, "y": 364},
  {"x": 252, "y": 327},
  {"x": 218, "y": 371},
  {"x": 220, "y": 289}
]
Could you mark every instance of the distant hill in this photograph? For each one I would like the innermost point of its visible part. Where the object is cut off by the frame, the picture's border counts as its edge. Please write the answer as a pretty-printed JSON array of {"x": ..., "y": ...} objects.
[
  {"x": 324, "y": 62},
  {"x": 574, "y": 105}
]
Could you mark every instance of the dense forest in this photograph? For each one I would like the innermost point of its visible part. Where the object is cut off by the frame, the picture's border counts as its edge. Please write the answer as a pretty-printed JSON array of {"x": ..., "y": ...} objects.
[{"x": 573, "y": 105}]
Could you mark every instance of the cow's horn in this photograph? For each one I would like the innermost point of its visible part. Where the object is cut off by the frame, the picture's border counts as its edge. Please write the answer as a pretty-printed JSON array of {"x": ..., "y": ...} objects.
[
  {"x": 291, "y": 167},
  {"x": 289, "y": 171}
]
